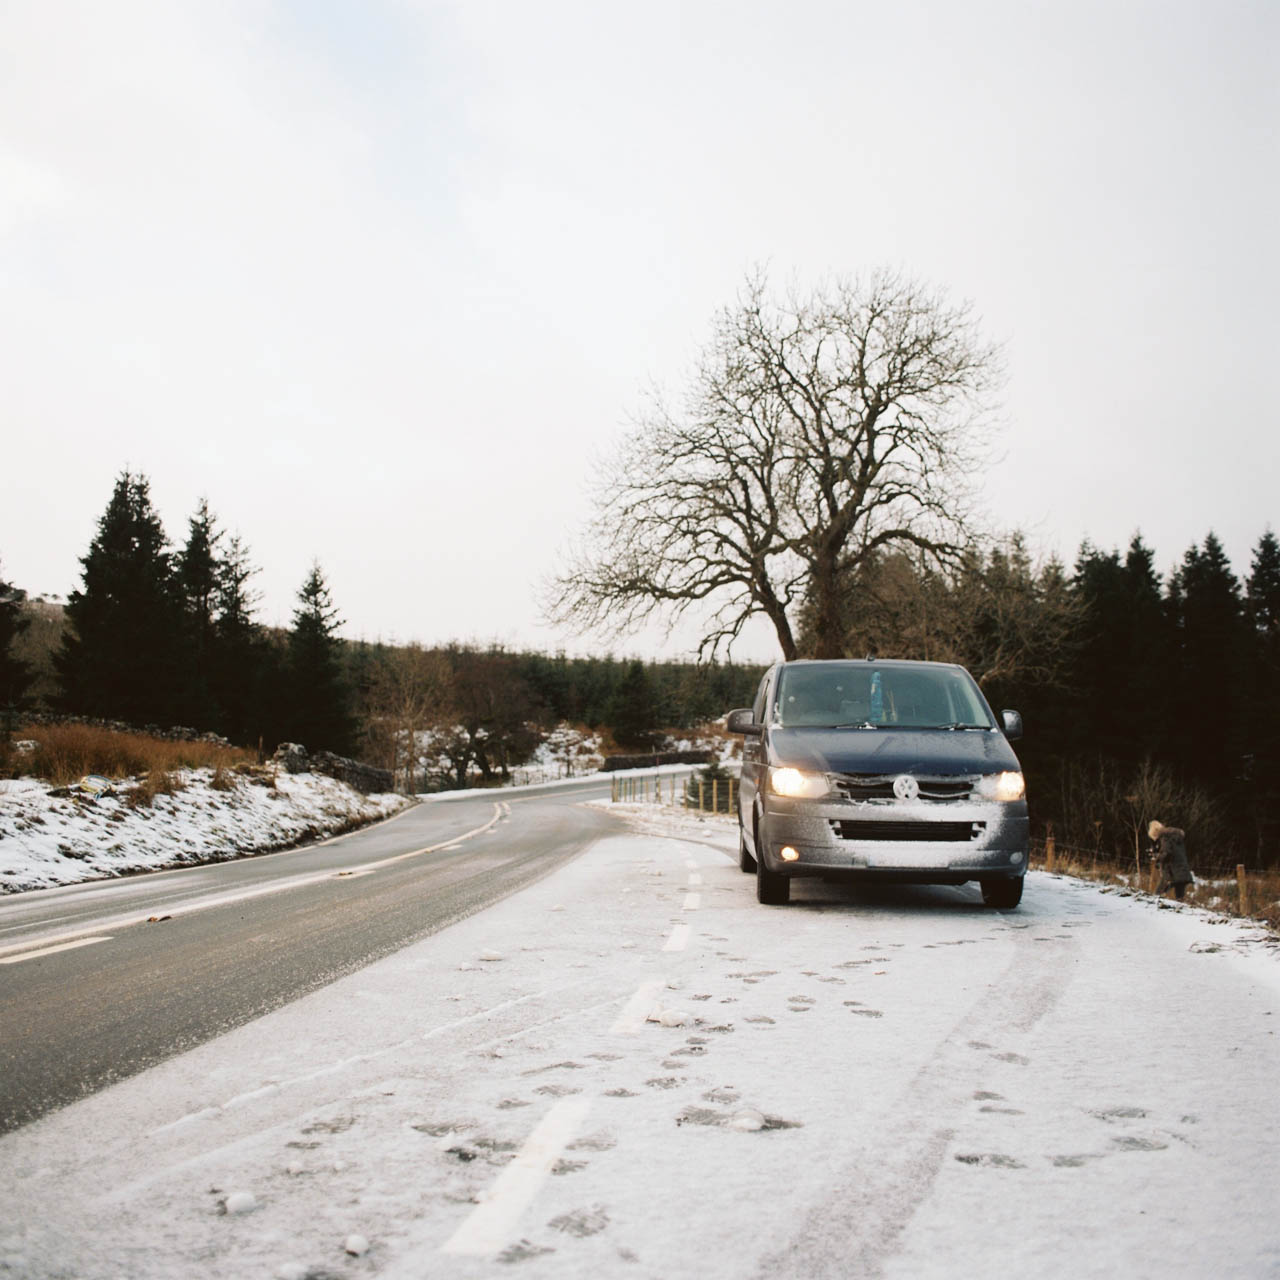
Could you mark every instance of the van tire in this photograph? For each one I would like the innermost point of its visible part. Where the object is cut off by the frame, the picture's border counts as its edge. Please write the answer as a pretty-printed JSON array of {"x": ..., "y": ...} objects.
[
  {"x": 1003, "y": 894},
  {"x": 745, "y": 861},
  {"x": 771, "y": 889}
]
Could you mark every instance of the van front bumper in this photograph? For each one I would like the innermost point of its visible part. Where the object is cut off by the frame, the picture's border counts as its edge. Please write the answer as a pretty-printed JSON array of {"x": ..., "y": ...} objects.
[{"x": 939, "y": 842}]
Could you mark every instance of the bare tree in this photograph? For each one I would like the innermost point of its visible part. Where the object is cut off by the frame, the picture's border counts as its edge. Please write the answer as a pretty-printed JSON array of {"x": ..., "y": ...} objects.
[
  {"x": 408, "y": 688},
  {"x": 816, "y": 433}
]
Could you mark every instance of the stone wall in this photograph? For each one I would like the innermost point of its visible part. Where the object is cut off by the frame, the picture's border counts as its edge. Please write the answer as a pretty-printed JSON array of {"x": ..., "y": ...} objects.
[{"x": 365, "y": 778}]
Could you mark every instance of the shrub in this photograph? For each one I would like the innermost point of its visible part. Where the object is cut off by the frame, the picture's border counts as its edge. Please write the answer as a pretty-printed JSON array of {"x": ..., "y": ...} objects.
[{"x": 64, "y": 753}]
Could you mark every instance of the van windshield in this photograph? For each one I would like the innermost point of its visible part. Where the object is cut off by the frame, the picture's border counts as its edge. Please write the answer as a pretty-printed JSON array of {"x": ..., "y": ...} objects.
[{"x": 864, "y": 695}]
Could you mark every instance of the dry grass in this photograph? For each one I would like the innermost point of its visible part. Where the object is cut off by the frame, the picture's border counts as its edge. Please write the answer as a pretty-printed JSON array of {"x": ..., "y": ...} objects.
[
  {"x": 155, "y": 783},
  {"x": 65, "y": 753},
  {"x": 1215, "y": 893}
]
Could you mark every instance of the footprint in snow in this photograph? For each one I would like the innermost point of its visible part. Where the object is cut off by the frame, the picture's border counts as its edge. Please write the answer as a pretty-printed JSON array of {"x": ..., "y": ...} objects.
[
  {"x": 510, "y": 1104},
  {"x": 561, "y": 1167},
  {"x": 991, "y": 1160},
  {"x": 1012, "y": 1057},
  {"x": 762, "y": 1019},
  {"x": 581, "y": 1222},
  {"x": 340, "y": 1124},
  {"x": 553, "y": 1066},
  {"x": 1130, "y": 1143},
  {"x": 439, "y": 1130},
  {"x": 620, "y": 1093},
  {"x": 744, "y": 1121},
  {"x": 1120, "y": 1113},
  {"x": 985, "y": 1095},
  {"x": 557, "y": 1090},
  {"x": 594, "y": 1142},
  {"x": 523, "y": 1250},
  {"x": 665, "y": 1082}
]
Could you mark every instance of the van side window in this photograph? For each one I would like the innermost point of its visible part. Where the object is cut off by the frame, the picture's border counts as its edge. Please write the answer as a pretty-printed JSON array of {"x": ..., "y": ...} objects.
[{"x": 758, "y": 707}]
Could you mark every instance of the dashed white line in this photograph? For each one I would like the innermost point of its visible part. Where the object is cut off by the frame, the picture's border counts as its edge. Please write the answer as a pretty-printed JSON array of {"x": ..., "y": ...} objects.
[
  {"x": 48, "y": 951},
  {"x": 491, "y": 1223},
  {"x": 692, "y": 901},
  {"x": 678, "y": 940},
  {"x": 695, "y": 879},
  {"x": 631, "y": 1021}
]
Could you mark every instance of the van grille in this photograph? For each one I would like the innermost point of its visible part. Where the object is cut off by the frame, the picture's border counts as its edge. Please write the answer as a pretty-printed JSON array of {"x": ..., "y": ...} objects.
[
  {"x": 879, "y": 786},
  {"x": 952, "y": 832}
]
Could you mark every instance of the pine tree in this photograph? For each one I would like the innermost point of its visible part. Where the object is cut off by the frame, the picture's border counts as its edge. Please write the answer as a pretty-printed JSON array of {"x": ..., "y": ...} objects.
[
  {"x": 244, "y": 670},
  {"x": 15, "y": 675},
  {"x": 123, "y": 654},
  {"x": 1263, "y": 587},
  {"x": 1263, "y": 604},
  {"x": 320, "y": 699},
  {"x": 632, "y": 713},
  {"x": 1208, "y": 731},
  {"x": 196, "y": 573}
]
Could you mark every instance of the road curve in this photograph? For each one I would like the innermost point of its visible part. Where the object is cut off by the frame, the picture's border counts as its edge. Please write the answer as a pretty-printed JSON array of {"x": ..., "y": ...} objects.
[{"x": 102, "y": 980}]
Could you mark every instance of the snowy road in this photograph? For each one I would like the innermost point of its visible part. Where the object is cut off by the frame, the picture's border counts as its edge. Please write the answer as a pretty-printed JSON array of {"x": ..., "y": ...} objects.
[
  {"x": 898, "y": 1083},
  {"x": 103, "y": 979}
]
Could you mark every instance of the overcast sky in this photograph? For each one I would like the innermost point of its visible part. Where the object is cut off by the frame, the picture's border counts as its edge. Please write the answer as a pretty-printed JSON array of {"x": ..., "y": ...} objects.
[{"x": 380, "y": 278}]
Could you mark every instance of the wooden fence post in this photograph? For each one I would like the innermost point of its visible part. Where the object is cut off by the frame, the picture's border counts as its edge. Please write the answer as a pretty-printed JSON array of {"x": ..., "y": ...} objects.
[
  {"x": 715, "y": 795},
  {"x": 1050, "y": 850},
  {"x": 1242, "y": 885},
  {"x": 702, "y": 806}
]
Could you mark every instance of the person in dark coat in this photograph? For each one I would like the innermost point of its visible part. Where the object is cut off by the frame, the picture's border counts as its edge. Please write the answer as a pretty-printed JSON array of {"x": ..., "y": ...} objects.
[{"x": 1169, "y": 849}]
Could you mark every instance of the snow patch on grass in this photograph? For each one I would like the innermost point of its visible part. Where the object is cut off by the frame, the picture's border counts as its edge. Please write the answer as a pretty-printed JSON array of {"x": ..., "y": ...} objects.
[{"x": 49, "y": 837}]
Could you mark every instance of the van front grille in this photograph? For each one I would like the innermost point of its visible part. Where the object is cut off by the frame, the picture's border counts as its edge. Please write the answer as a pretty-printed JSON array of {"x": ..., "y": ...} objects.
[
  {"x": 951, "y": 832},
  {"x": 879, "y": 786}
]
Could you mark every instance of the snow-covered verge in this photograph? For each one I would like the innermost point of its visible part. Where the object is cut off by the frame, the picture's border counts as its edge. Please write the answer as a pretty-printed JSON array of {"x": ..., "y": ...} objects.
[
  {"x": 631, "y": 1068},
  {"x": 50, "y": 839}
]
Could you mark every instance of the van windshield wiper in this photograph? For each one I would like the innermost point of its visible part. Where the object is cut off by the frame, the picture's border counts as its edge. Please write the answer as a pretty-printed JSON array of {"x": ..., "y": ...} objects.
[{"x": 960, "y": 724}]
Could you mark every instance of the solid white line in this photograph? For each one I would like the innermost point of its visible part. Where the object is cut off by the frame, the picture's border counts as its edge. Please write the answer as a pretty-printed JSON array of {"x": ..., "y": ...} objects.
[
  {"x": 692, "y": 901},
  {"x": 492, "y": 1222},
  {"x": 48, "y": 951},
  {"x": 632, "y": 1019},
  {"x": 695, "y": 879},
  {"x": 678, "y": 940},
  {"x": 263, "y": 890}
]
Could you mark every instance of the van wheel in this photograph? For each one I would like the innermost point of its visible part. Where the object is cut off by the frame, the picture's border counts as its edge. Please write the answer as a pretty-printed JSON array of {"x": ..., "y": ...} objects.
[
  {"x": 745, "y": 861},
  {"x": 1003, "y": 894},
  {"x": 771, "y": 888}
]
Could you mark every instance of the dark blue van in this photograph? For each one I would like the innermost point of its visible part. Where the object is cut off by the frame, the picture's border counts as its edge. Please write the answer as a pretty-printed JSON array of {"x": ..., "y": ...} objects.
[{"x": 881, "y": 770}]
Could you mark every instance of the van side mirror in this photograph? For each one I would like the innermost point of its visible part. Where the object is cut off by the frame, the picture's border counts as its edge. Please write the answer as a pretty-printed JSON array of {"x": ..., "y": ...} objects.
[
  {"x": 744, "y": 721},
  {"x": 1012, "y": 724}
]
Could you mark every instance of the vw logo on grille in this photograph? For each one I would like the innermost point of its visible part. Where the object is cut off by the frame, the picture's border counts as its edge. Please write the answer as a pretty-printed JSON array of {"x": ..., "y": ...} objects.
[{"x": 905, "y": 787}]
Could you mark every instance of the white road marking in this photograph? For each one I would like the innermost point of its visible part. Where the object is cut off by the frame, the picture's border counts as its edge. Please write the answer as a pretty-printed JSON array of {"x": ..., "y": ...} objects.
[
  {"x": 48, "y": 951},
  {"x": 692, "y": 901},
  {"x": 678, "y": 939},
  {"x": 492, "y": 1222},
  {"x": 631, "y": 1021},
  {"x": 695, "y": 879},
  {"x": 256, "y": 891},
  {"x": 691, "y": 863}
]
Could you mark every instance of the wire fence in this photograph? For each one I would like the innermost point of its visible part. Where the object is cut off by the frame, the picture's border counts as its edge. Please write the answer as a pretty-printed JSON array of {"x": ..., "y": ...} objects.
[{"x": 685, "y": 791}]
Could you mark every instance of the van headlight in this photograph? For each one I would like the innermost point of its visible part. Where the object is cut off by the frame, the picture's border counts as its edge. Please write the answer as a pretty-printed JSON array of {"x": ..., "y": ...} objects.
[
  {"x": 1006, "y": 787},
  {"x": 798, "y": 784}
]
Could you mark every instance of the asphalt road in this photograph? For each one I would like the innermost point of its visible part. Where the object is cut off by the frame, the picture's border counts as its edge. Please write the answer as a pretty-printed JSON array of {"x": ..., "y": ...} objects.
[{"x": 102, "y": 980}]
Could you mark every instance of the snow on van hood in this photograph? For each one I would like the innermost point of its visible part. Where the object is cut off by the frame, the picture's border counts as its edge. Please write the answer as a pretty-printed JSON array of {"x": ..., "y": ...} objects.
[{"x": 936, "y": 752}]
